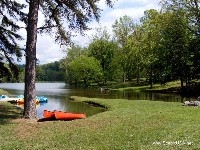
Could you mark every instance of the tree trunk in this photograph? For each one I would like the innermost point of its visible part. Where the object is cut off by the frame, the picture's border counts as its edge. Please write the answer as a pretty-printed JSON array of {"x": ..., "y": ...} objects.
[
  {"x": 30, "y": 70},
  {"x": 124, "y": 77},
  {"x": 151, "y": 78},
  {"x": 181, "y": 82},
  {"x": 138, "y": 76},
  {"x": 138, "y": 80}
]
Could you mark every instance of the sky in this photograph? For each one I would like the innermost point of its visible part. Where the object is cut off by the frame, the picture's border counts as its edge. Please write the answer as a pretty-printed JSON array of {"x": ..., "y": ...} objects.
[{"x": 48, "y": 51}]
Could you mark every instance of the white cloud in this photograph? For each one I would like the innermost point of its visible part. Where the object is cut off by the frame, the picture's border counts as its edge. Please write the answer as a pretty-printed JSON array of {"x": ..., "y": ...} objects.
[
  {"x": 48, "y": 51},
  {"x": 132, "y": 8}
]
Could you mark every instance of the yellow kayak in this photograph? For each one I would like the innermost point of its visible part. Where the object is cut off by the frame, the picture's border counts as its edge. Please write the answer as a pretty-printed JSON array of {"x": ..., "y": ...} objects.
[{"x": 21, "y": 101}]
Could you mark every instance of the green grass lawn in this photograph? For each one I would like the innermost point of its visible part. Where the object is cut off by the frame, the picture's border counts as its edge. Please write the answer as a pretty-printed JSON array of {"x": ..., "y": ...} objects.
[
  {"x": 127, "y": 124},
  {"x": 3, "y": 92}
]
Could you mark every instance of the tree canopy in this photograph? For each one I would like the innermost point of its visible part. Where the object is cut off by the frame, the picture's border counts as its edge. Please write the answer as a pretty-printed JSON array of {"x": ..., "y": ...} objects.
[
  {"x": 162, "y": 47},
  {"x": 10, "y": 13},
  {"x": 104, "y": 51},
  {"x": 84, "y": 68}
]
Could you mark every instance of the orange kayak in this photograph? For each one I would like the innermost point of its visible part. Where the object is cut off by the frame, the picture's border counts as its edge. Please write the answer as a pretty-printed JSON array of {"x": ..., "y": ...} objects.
[
  {"x": 49, "y": 114},
  {"x": 61, "y": 115}
]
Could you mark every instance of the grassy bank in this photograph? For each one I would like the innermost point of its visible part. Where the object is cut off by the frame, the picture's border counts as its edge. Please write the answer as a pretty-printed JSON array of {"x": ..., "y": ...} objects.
[
  {"x": 3, "y": 92},
  {"x": 156, "y": 87},
  {"x": 126, "y": 125}
]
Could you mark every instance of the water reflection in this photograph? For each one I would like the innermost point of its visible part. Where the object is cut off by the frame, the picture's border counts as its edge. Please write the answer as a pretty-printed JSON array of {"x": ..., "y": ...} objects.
[
  {"x": 21, "y": 105},
  {"x": 149, "y": 96}
]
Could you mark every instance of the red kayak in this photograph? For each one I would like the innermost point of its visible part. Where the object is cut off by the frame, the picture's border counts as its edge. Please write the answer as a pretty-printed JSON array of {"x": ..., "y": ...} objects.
[{"x": 61, "y": 115}]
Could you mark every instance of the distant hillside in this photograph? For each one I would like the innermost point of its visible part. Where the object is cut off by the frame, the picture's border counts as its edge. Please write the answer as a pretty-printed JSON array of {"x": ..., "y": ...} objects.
[{"x": 50, "y": 72}]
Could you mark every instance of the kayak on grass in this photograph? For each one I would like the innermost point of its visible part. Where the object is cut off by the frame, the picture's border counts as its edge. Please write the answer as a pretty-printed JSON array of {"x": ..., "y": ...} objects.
[{"x": 61, "y": 115}]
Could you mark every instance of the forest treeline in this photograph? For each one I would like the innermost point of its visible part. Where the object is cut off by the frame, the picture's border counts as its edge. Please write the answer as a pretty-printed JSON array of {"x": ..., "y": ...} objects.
[
  {"x": 163, "y": 46},
  {"x": 45, "y": 72}
]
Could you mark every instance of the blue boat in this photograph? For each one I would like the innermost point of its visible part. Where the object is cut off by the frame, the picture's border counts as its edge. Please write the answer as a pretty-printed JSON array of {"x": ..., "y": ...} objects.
[
  {"x": 20, "y": 96},
  {"x": 3, "y": 96},
  {"x": 39, "y": 98},
  {"x": 42, "y": 99}
]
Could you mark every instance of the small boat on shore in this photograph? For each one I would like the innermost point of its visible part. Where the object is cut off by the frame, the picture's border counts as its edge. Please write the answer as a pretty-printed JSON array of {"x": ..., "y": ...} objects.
[
  {"x": 38, "y": 98},
  {"x": 49, "y": 114},
  {"x": 20, "y": 99},
  {"x": 9, "y": 99},
  {"x": 61, "y": 115},
  {"x": 21, "y": 105},
  {"x": 42, "y": 99},
  {"x": 3, "y": 97}
]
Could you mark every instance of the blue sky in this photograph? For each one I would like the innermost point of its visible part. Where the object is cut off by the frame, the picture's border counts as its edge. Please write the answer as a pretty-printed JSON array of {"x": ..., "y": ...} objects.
[{"x": 48, "y": 51}]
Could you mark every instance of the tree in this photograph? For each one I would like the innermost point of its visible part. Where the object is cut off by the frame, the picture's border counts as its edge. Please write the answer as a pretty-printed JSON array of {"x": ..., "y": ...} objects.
[
  {"x": 10, "y": 13},
  {"x": 122, "y": 29},
  {"x": 101, "y": 33},
  {"x": 167, "y": 39},
  {"x": 73, "y": 52},
  {"x": 40, "y": 74},
  {"x": 150, "y": 26},
  {"x": 175, "y": 43},
  {"x": 76, "y": 15},
  {"x": 104, "y": 51},
  {"x": 84, "y": 69},
  {"x": 192, "y": 10},
  {"x": 50, "y": 72},
  {"x": 136, "y": 55}
]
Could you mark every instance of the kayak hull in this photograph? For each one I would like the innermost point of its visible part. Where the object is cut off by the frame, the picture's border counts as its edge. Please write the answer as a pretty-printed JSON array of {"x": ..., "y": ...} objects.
[
  {"x": 49, "y": 114},
  {"x": 61, "y": 115}
]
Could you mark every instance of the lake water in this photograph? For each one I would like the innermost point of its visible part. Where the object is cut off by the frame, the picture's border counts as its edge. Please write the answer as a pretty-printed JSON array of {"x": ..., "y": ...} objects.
[{"x": 58, "y": 96}]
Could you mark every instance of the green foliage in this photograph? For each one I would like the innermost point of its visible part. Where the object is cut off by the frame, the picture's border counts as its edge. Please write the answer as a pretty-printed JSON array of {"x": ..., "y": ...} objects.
[
  {"x": 50, "y": 72},
  {"x": 74, "y": 15},
  {"x": 3, "y": 92},
  {"x": 194, "y": 48},
  {"x": 135, "y": 57},
  {"x": 192, "y": 9},
  {"x": 174, "y": 45},
  {"x": 168, "y": 38},
  {"x": 84, "y": 69},
  {"x": 10, "y": 13},
  {"x": 104, "y": 51},
  {"x": 73, "y": 52},
  {"x": 122, "y": 28},
  {"x": 191, "y": 15},
  {"x": 162, "y": 47}
]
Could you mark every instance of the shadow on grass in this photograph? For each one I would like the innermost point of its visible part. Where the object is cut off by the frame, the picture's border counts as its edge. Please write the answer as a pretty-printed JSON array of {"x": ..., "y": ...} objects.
[{"x": 8, "y": 112}]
